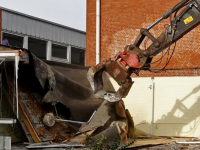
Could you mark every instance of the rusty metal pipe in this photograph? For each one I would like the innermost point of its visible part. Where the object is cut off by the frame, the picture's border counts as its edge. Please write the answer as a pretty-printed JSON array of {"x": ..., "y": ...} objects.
[{"x": 78, "y": 122}]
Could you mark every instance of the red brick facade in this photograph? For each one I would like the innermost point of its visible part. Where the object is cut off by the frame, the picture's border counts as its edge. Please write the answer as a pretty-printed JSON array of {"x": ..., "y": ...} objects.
[{"x": 121, "y": 21}]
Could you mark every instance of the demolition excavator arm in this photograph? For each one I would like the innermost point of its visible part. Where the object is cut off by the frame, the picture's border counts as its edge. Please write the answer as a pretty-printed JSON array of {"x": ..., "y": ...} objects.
[{"x": 183, "y": 17}]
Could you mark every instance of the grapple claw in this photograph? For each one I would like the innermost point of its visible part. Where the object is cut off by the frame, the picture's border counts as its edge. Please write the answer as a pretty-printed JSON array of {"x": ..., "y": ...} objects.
[{"x": 94, "y": 77}]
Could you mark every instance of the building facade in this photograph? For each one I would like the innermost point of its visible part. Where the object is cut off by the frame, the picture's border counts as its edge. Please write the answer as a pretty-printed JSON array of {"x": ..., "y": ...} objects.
[
  {"x": 45, "y": 39},
  {"x": 161, "y": 103}
]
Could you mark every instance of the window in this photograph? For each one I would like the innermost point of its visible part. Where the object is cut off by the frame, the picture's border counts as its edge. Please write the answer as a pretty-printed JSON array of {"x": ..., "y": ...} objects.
[
  {"x": 59, "y": 51},
  {"x": 13, "y": 40},
  {"x": 77, "y": 56},
  {"x": 37, "y": 47}
]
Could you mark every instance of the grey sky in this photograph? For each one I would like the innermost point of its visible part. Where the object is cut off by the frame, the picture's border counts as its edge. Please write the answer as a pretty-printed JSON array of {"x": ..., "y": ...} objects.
[{"x": 71, "y": 13}]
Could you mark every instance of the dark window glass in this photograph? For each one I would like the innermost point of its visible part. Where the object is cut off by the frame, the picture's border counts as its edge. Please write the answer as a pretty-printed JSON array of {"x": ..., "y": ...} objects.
[
  {"x": 13, "y": 40},
  {"x": 77, "y": 56},
  {"x": 37, "y": 47},
  {"x": 59, "y": 51}
]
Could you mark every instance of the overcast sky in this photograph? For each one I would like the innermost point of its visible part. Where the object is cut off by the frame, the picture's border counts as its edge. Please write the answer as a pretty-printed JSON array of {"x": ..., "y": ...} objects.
[{"x": 71, "y": 13}]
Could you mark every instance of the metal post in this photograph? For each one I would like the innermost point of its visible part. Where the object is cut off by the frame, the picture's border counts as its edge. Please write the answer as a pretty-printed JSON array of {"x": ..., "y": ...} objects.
[
  {"x": 48, "y": 50},
  {"x": 25, "y": 42},
  {"x": 14, "y": 89},
  {"x": 78, "y": 122},
  {"x": 7, "y": 121},
  {"x": 152, "y": 105},
  {"x": 69, "y": 48},
  {"x": 16, "y": 82}
]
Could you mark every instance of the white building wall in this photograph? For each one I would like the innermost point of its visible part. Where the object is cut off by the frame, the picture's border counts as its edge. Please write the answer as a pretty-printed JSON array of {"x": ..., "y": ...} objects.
[{"x": 176, "y": 105}]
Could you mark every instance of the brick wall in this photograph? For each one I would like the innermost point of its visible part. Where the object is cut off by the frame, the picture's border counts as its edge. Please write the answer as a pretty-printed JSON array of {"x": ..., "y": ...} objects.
[{"x": 121, "y": 21}]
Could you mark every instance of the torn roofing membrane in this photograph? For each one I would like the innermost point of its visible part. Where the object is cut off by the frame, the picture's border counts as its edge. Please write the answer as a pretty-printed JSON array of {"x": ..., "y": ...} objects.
[{"x": 68, "y": 85}]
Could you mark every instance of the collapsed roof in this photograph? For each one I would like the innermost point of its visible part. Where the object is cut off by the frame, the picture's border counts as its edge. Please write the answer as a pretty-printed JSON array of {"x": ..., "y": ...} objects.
[{"x": 49, "y": 91}]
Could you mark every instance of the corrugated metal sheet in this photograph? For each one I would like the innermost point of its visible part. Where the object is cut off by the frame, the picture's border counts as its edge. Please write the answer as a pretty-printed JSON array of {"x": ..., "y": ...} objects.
[{"x": 35, "y": 27}]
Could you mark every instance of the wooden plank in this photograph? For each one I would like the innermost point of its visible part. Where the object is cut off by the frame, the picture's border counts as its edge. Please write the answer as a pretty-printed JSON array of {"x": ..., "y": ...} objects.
[
  {"x": 147, "y": 142},
  {"x": 28, "y": 123}
]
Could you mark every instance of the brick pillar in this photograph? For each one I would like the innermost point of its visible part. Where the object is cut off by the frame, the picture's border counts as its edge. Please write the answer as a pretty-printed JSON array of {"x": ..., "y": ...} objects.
[{"x": 91, "y": 33}]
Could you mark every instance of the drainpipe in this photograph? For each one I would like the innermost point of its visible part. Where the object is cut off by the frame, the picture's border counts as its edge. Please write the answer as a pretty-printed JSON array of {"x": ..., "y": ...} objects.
[
  {"x": 152, "y": 105},
  {"x": 97, "y": 31}
]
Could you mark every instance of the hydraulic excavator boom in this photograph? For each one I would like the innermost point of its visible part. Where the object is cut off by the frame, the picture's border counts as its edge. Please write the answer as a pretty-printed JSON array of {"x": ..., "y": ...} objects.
[{"x": 184, "y": 17}]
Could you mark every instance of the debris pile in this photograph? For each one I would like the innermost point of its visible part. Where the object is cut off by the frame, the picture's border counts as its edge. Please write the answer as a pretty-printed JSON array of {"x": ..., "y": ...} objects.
[{"x": 57, "y": 104}]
